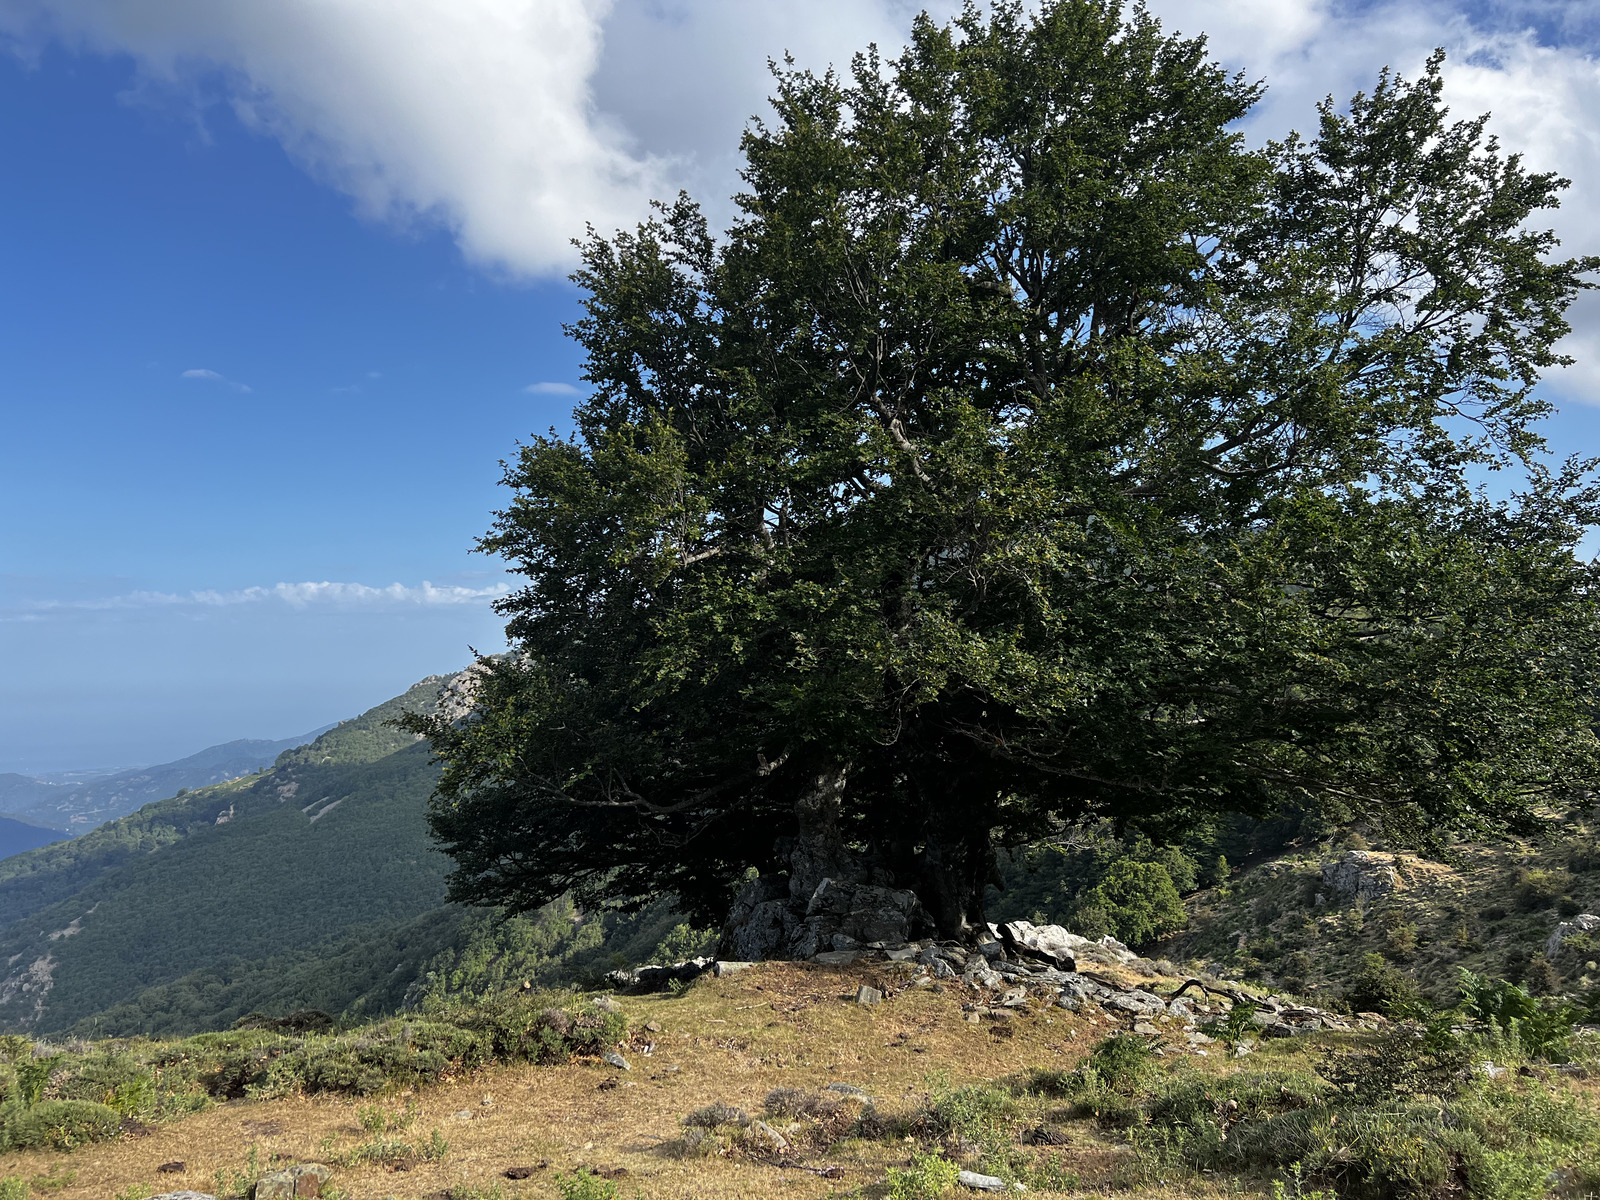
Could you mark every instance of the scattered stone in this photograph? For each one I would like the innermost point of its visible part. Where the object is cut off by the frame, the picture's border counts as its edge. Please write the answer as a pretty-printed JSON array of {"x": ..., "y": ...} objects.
[
  {"x": 184, "y": 1195},
  {"x": 722, "y": 967},
  {"x": 464, "y": 1114},
  {"x": 612, "y": 1059},
  {"x": 868, "y": 995},
  {"x": 907, "y": 954},
  {"x": 652, "y": 1026},
  {"x": 1015, "y": 998},
  {"x": 171, "y": 1168},
  {"x": 846, "y": 1089},
  {"x": 838, "y": 958},
  {"x": 302, "y": 1182},
  {"x": 606, "y": 1004},
  {"x": 1050, "y": 943},
  {"x": 1145, "y": 1028},
  {"x": 764, "y": 1137},
  {"x": 1139, "y": 1003},
  {"x": 982, "y": 1183},
  {"x": 1582, "y": 923}
]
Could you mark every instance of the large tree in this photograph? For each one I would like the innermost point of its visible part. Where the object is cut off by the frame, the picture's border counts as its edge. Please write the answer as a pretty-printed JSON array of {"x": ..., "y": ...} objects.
[{"x": 1032, "y": 451}]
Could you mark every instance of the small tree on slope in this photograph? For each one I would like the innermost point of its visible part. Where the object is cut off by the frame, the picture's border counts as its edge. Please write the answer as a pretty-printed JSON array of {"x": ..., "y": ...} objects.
[{"x": 1029, "y": 451}]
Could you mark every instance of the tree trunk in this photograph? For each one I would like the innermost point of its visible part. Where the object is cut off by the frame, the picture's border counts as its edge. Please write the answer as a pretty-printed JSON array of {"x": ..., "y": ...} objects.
[{"x": 819, "y": 851}]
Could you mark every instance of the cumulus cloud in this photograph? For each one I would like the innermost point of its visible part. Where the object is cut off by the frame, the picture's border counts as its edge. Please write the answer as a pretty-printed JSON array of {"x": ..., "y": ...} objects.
[
  {"x": 516, "y": 122},
  {"x": 306, "y": 595},
  {"x": 214, "y": 377}
]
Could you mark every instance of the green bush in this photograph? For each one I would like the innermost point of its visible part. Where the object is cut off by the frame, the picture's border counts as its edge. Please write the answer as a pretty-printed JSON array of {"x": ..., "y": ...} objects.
[
  {"x": 1121, "y": 1061},
  {"x": 1541, "y": 1030},
  {"x": 928, "y": 1177},
  {"x": 585, "y": 1186},
  {"x": 1137, "y": 899},
  {"x": 13, "y": 1187},
  {"x": 1380, "y": 988},
  {"x": 61, "y": 1125}
]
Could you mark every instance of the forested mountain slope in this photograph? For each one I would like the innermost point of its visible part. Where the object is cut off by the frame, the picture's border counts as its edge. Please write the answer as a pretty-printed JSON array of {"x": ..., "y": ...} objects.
[
  {"x": 79, "y": 807},
  {"x": 328, "y": 843}
]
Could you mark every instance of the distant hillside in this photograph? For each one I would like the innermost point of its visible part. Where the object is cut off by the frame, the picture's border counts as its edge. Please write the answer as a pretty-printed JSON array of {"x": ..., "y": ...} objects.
[
  {"x": 23, "y": 791},
  {"x": 79, "y": 807},
  {"x": 329, "y": 841},
  {"x": 17, "y": 836}
]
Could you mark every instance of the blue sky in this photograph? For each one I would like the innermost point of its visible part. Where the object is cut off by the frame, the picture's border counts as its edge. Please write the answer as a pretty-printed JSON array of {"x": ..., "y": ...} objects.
[{"x": 278, "y": 277}]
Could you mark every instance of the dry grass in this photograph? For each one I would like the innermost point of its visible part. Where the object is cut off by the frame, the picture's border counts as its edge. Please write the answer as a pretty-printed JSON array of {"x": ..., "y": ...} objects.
[{"x": 729, "y": 1040}]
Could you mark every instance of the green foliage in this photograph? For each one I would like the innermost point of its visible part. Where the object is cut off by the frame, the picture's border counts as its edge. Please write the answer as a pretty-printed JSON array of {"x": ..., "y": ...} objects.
[
  {"x": 1121, "y": 1061},
  {"x": 928, "y": 1177},
  {"x": 583, "y": 1185},
  {"x": 1009, "y": 463},
  {"x": 683, "y": 942},
  {"x": 1540, "y": 1030},
  {"x": 1138, "y": 900},
  {"x": 13, "y": 1187},
  {"x": 60, "y": 1125},
  {"x": 1381, "y": 988}
]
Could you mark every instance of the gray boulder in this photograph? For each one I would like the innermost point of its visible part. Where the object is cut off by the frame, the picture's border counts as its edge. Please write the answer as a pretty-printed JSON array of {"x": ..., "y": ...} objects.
[
  {"x": 299, "y": 1182},
  {"x": 1361, "y": 875},
  {"x": 1583, "y": 923}
]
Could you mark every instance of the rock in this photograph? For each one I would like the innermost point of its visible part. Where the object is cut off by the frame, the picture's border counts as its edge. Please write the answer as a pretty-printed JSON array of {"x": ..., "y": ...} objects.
[
  {"x": 1583, "y": 923},
  {"x": 652, "y": 1026},
  {"x": 606, "y": 1004},
  {"x": 1494, "y": 1072},
  {"x": 654, "y": 977},
  {"x": 850, "y": 1093},
  {"x": 612, "y": 1059},
  {"x": 1116, "y": 949},
  {"x": 764, "y": 1137},
  {"x": 982, "y": 1183},
  {"x": 1146, "y": 1028},
  {"x": 526, "y": 1172},
  {"x": 1050, "y": 943},
  {"x": 722, "y": 967},
  {"x": 838, "y": 958},
  {"x": 1361, "y": 875},
  {"x": 868, "y": 995},
  {"x": 293, "y": 1183},
  {"x": 1015, "y": 998},
  {"x": 903, "y": 955},
  {"x": 186, "y": 1194},
  {"x": 942, "y": 969},
  {"x": 464, "y": 1114},
  {"x": 175, "y": 1167},
  {"x": 992, "y": 950},
  {"x": 1139, "y": 1003}
]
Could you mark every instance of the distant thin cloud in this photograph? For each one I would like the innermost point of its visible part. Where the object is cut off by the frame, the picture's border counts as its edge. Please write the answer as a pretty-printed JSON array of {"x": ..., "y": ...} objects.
[
  {"x": 550, "y": 388},
  {"x": 326, "y": 594},
  {"x": 214, "y": 377}
]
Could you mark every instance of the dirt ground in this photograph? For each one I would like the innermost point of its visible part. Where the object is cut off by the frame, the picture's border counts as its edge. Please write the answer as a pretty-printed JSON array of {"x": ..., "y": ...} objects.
[{"x": 729, "y": 1040}]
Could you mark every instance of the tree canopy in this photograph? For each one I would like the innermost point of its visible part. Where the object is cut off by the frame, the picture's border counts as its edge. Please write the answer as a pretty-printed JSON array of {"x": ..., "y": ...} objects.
[{"x": 1032, "y": 450}]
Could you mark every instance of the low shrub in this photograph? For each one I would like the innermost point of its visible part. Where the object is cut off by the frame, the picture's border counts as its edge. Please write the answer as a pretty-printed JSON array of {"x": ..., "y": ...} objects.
[
  {"x": 585, "y": 1186},
  {"x": 61, "y": 1125},
  {"x": 928, "y": 1177},
  {"x": 1381, "y": 988}
]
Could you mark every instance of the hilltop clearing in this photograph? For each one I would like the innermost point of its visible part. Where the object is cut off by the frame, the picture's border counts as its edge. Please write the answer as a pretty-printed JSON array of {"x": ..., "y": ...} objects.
[{"x": 778, "y": 1080}]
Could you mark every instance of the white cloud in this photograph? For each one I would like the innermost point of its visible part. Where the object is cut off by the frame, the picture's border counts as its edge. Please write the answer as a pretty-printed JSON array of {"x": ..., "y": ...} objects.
[
  {"x": 214, "y": 377},
  {"x": 549, "y": 388},
  {"x": 515, "y": 122},
  {"x": 295, "y": 595}
]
